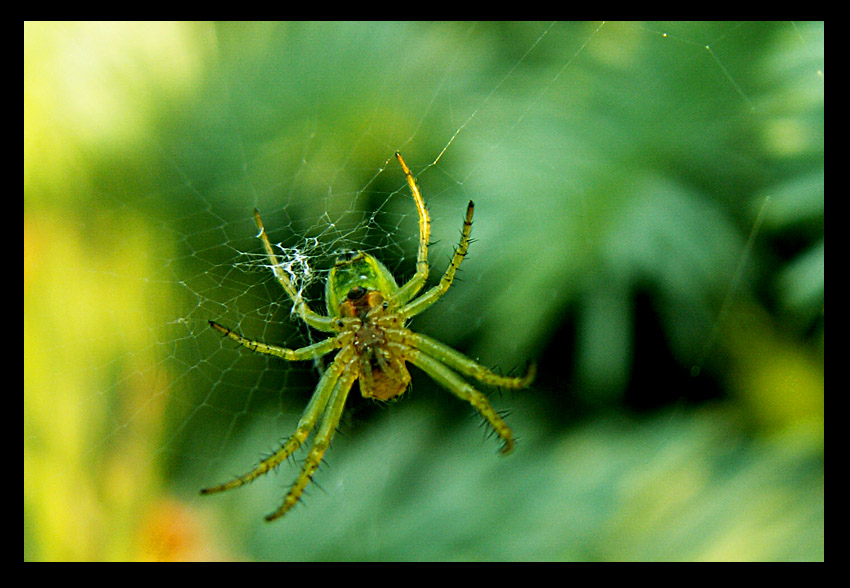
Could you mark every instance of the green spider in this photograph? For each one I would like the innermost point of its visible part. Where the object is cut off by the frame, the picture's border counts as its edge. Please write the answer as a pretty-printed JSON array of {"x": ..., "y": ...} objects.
[{"x": 367, "y": 312}]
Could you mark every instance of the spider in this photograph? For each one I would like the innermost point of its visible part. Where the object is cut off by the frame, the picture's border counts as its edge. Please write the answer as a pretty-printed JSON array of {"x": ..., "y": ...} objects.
[{"x": 366, "y": 315}]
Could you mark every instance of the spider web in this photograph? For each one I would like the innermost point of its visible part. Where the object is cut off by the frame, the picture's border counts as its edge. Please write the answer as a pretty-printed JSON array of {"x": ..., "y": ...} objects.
[{"x": 562, "y": 133}]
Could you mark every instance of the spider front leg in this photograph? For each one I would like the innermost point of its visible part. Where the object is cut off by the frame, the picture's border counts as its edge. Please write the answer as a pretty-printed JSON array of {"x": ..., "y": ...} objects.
[
  {"x": 327, "y": 426},
  {"x": 460, "y": 362},
  {"x": 316, "y": 406},
  {"x": 463, "y": 390}
]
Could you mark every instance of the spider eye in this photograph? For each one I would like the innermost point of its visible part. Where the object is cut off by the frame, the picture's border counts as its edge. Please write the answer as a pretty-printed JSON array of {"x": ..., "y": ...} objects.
[
  {"x": 346, "y": 255},
  {"x": 356, "y": 293}
]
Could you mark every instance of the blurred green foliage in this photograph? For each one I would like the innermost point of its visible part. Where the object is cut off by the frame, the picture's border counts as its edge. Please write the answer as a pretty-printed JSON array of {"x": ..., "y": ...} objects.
[{"x": 618, "y": 171}]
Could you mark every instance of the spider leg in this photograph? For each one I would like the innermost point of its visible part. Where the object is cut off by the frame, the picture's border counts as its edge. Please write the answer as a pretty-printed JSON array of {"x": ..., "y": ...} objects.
[
  {"x": 322, "y": 323},
  {"x": 327, "y": 426},
  {"x": 409, "y": 290},
  {"x": 416, "y": 306},
  {"x": 449, "y": 380},
  {"x": 327, "y": 384},
  {"x": 465, "y": 365},
  {"x": 310, "y": 352}
]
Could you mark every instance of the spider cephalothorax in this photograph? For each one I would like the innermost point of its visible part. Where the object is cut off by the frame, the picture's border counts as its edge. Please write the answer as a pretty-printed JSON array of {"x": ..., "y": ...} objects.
[{"x": 366, "y": 315}]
